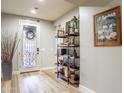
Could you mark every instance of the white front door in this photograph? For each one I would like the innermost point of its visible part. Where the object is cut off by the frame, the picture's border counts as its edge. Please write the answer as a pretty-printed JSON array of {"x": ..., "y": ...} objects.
[{"x": 30, "y": 46}]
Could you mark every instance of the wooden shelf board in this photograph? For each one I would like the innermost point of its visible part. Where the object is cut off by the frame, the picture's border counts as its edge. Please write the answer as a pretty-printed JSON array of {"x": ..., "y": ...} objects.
[
  {"x": 61, "y": 36},
  {"x": 74, "y": 34},
  {"x": 68, "y": 45},
  {"x": 73, "y": 69}
]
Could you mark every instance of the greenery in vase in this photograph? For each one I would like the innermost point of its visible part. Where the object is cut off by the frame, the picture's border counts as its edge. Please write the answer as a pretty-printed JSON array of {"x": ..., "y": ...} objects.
[
  {"x": 74, "y": 23},
  {"x": 8, "y": 45}
]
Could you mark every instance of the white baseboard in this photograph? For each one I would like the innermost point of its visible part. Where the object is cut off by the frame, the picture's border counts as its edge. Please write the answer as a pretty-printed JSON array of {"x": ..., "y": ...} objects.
[
  {"x": 47, "y": 68},
  {"x": 84, "y": 89},
  {"x": 41, "y": 69}
]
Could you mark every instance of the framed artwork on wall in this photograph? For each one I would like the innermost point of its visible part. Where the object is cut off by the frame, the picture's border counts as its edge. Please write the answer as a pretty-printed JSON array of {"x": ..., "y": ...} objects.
[{"x": 107, "y": 28}]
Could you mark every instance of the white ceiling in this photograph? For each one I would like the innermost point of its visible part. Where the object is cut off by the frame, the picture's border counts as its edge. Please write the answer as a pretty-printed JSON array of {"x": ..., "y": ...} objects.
[
  {"x": 48, "y": 9},
  {"x": 89, "y": 2}
]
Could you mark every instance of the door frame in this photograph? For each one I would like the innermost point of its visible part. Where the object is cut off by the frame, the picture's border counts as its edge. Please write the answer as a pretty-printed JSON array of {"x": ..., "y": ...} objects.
[{"x": 20, "y": 49}]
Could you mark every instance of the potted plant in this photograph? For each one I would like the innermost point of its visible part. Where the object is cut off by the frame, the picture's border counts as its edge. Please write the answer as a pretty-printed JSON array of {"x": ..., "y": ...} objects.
[{"x": 8, "y": 48}]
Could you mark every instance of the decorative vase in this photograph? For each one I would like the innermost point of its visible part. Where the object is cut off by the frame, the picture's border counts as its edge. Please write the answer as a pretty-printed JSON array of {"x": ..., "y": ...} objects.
[{"x": 7, "y": 70}]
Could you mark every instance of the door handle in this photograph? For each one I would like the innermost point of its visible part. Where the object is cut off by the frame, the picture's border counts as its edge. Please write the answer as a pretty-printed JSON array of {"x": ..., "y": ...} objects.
[{"x": 37, "y": 50}]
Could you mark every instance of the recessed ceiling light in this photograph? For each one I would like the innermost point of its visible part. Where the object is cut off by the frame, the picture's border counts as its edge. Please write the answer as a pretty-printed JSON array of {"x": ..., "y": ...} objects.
[
  {"x": 41, "y": 0},
  {"x": 33, "y": 11}
]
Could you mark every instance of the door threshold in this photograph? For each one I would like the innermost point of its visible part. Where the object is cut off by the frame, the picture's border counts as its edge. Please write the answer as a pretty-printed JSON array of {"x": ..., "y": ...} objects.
[{"x": 29, "y": 71}]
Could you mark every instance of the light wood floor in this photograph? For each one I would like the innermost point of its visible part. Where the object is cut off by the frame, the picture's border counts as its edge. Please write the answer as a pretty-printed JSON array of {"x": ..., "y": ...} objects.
[{"x": 37, "y": 82}]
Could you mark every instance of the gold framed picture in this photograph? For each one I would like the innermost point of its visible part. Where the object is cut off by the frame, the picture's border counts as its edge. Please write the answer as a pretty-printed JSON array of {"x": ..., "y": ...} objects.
[{"x": 107, "y": 28}]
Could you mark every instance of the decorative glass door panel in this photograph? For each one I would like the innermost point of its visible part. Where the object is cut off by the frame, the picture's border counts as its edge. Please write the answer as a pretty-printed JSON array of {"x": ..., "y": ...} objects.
[{"x": 29, "y": 46}]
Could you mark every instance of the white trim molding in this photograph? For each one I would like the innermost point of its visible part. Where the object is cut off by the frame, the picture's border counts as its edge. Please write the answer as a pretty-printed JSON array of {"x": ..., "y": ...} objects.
[
  {"x": 41, "y": 69},
  {"x": 47, "y": 68},
  {"x": 84, "y": 89}
]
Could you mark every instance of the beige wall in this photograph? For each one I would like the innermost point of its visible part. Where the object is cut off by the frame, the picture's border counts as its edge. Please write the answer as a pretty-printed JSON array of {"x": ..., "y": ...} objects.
[
  {"x": 100, "y": 66},
  {"x": 47, "y": 40},
  {"x": 67, "y": 17}
]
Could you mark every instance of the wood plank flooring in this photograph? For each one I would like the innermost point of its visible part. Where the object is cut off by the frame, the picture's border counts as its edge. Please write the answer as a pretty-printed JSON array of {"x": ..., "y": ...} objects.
[{"x": 37, "y": 82}]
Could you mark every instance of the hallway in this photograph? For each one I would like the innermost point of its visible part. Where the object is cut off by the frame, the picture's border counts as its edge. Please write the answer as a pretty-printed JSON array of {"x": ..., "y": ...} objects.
[{"x": 79, "y": 41}]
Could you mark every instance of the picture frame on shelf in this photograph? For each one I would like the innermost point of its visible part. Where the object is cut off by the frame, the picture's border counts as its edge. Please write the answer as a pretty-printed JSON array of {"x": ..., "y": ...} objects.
[{"x": 107, "y": 28}]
